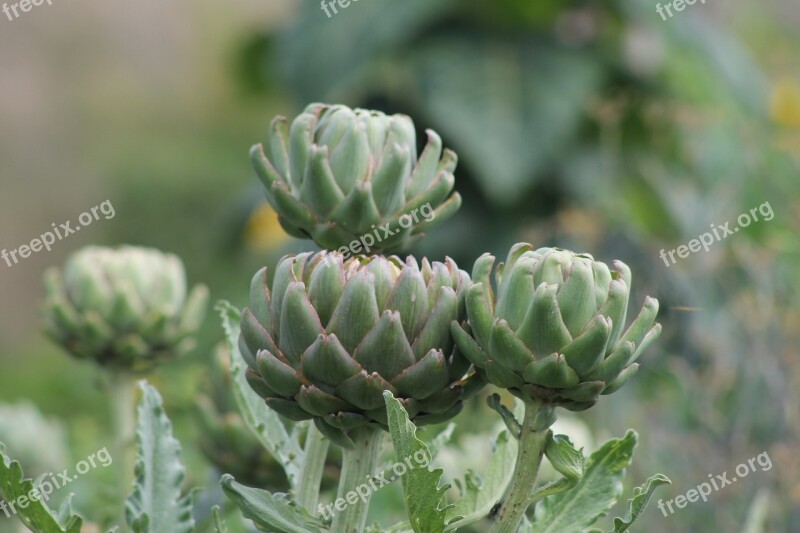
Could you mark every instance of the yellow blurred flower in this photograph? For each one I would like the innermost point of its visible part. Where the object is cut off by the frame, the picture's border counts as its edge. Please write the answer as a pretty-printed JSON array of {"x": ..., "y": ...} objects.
[
  {"x": 785, "y": 104},
  {"x": 263, "y": 231},
  {"x": 784, "y": 108}
]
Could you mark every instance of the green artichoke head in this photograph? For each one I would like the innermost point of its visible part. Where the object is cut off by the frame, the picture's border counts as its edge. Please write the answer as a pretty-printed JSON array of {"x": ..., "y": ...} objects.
[
  {"x": 340, "y": 176},
  {"x": 125, "y": 308},
  {"x": 555, "y": 331},
  {"x": 333, "y": 334}
]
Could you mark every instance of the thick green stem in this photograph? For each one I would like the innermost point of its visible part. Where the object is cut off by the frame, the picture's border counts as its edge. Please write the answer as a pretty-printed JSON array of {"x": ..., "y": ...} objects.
[
  {"x": 316, "y": 449},
  {"x": 532, "y": 441},
  {"x": 123, "y": 407},
  {"x": 358, "y": 465}
]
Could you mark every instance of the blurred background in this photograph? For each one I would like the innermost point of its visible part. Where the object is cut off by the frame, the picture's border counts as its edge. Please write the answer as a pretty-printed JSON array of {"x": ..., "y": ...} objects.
[{"x": 599, "y": 128}]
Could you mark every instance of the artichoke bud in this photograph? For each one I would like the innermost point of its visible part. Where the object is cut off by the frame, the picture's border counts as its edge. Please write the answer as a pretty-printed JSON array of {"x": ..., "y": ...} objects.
[
  {"x": 224, "y": 438},
  {"x": 336, "y": 175},
  {"x": 555, "y": 331},
  {"x": 339, "y": 332},
  {"x": 125, "y": 308}
]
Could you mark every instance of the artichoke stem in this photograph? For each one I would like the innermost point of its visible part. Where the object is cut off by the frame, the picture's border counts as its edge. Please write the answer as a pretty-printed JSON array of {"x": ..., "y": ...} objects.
[
  {"x": 308, "y": 485},
  {"x": 508, "y": 513},
  {"x": 123, "y": 406},
  {"x": 358, "y": 465}
]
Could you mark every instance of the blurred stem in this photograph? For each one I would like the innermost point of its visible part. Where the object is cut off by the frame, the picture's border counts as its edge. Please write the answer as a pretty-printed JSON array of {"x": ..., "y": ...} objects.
[
  {"x": 123, "y": 406},
  {"x": 311, "y": 474},
  {"x": 532, "y": 441},
  {"x": 357, "y": 465}
]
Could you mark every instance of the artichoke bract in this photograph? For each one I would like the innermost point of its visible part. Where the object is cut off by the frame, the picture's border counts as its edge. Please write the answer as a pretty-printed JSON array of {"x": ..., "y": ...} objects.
[
  {"x": 125, "y": 308},
  {"x": 333, "y": 334},
  {"x": 555, "y": 331},
  {"x": 351, "y": 179}
]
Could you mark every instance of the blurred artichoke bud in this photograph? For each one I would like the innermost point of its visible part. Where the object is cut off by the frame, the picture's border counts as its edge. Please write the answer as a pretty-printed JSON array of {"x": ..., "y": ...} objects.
[
  {"x": 332, "y": 335},
  {"x": 337, "y": 175},
  {"x": 35, "y": 441},
  {"x": 555, "y": 330},
  {"x": 224, "y": 438},
  {"x": 125, "y": 308}
]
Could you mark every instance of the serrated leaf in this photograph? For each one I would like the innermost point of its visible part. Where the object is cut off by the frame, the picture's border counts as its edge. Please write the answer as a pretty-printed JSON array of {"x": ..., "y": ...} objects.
[
  {"x": 637, "y": 504},
  {"x": 480, "y": 495},
  {"x": 262, "y": 421},
  {"x": 35, "y": 515},
  {"x": 424, "y": 497},
  {"x": 274, "y": 513},
  {"x": 593, "y": 495},
  {"x": 156, "y": 504},
  {"x": 437, "y": 443}
]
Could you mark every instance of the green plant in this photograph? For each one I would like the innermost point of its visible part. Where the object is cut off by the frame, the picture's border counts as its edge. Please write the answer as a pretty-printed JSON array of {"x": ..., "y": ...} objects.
[
  {"x": 553, "y": 336},
  {"x": 125, "y": 308},
  {"x": 349, "y": 350},
  {"x": 335, "y": 334},
  {"x": 339, "y": 175},
  {"x": 555, "y": 333}
]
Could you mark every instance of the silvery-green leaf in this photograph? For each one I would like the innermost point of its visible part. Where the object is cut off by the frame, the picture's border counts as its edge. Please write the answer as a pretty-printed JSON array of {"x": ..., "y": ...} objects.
[
  {"x": 156, "y": 504},
  {"x": 564, "y": 457},
  {"x": 480, "y": 493},
  {"x": 594, "y": 494},
  {"x": 36, "y": 515},
  {"x": 424, "y": 497},
  {"x": 262, "y": 421},
  {"x": 637, "y": 504},
  {"x": 273, "y": 513}
]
